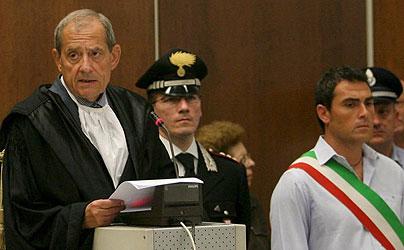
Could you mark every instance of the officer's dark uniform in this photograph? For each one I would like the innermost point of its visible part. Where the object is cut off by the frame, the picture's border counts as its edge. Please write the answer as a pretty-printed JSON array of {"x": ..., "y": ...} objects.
[{"x": 225, "y": 191}]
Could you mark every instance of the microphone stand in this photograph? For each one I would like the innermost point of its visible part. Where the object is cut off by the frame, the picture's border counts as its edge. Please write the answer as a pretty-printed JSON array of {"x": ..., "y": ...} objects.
[{"x": 160, "y": 123}]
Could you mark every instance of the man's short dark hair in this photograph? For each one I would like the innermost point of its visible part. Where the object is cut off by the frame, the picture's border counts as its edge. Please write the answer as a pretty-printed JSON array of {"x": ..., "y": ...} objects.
[{"x": 324, "y": 93}]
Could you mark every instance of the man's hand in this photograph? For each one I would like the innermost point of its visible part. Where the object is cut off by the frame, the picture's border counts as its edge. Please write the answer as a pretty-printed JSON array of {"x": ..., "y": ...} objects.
[{"x": 102, "y": 212}]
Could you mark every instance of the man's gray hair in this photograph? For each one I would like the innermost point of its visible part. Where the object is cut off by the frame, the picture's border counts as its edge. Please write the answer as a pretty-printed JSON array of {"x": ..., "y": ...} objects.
[{"x": 80, "y": 17}]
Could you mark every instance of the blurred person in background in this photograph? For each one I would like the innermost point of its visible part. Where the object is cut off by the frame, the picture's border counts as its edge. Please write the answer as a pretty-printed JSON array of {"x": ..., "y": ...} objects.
[
  {"x": 399, "y": 126},
  {"x": 227, "y": 138},
  {"x": 386, "y": 88}
]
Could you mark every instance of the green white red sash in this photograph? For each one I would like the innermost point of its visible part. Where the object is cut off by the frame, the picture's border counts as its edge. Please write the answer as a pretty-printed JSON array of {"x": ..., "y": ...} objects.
[{"x": 371, "y": 210}]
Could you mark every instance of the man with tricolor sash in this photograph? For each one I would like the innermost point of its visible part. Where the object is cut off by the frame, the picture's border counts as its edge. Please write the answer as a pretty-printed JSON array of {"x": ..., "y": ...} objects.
[{"x": 342, "y": 194}]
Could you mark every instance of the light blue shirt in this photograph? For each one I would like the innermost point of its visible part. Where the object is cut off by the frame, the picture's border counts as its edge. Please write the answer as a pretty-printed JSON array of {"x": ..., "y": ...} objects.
[{"x": 304, "y": 215}]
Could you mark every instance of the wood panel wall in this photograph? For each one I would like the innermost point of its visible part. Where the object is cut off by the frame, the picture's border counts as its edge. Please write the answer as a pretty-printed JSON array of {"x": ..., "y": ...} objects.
[
  {"x": 389, "y": 35},
  {"x": 264, "y": 57}
]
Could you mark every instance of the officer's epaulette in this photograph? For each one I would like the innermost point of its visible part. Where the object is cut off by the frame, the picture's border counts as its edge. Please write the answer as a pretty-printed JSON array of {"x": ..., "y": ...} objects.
[{"x": 223, "y": 155}]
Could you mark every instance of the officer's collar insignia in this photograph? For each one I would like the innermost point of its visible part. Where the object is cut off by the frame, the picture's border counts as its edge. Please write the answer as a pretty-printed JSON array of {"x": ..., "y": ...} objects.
[
  {"x": 182, "y": 59},
  {"x": 209, "y": 162},
  {"x": 371, "y": 78}
]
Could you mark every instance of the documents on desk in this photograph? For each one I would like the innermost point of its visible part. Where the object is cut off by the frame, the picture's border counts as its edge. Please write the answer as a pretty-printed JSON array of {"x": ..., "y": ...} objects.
[{"x": 138, "y": 195}]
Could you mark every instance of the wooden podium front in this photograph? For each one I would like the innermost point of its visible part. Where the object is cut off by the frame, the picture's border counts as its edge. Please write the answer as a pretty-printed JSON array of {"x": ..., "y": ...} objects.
[{"x": 215, "y": 236}]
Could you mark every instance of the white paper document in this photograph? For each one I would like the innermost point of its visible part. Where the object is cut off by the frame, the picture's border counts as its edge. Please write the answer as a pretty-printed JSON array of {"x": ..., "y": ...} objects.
[{"x": 138, "y": 195}]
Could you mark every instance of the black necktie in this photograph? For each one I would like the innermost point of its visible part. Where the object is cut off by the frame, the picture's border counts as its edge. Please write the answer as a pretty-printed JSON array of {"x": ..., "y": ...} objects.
[{"x": 187, "y": 161}]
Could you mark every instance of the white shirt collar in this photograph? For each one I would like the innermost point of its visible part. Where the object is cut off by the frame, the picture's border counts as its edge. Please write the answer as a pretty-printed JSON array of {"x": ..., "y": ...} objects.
[
  {"x": 101, "y": 101},
  {"x": 193, "y": 148},
  {"x": 324, "y": 152}
]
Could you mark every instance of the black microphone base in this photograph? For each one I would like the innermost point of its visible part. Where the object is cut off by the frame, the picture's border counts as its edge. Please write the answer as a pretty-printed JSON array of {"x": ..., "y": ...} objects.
[{"x": 172, "y": 204}]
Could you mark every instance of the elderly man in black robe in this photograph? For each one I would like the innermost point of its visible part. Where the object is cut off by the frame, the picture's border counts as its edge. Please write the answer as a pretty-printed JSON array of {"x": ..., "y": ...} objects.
[{"x": 70, "y": 144}]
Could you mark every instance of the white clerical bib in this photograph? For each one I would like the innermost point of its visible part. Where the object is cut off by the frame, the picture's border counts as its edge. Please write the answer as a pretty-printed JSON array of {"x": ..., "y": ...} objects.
[{"x": 105, "y": 132}]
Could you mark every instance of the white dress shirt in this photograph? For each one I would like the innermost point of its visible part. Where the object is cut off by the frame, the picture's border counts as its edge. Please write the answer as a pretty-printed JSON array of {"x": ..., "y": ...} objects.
[
  {"x": 304, "y": 215},
  {"x": 193, "y": 150}
]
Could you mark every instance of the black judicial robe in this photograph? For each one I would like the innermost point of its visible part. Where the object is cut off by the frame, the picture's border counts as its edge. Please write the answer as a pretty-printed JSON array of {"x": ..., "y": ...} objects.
[{"x": 52, "y": 171}]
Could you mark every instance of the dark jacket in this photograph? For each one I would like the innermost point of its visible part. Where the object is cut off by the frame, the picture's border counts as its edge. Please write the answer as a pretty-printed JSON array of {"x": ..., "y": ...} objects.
[
  {"x": 224, "y": 190},
  {"x": 259, "y": 233}
]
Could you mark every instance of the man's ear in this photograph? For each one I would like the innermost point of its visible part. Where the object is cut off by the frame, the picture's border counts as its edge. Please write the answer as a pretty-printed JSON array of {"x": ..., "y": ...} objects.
[
  {"x": 397, "y": 118},
  {"x": 323, "y": 113},
  {"x": 116, "y": 55},
  {"x": 56, "y": 58}
]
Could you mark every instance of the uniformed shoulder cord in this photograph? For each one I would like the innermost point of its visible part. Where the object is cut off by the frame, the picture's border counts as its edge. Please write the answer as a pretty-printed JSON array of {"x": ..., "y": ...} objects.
[
  {"x": 210, "y": 162},
  {"x": 223, "y": 155}
]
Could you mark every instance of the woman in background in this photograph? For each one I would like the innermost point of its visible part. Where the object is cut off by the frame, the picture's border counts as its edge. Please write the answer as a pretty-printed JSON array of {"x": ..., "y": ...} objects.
[{"x": 226, "y": 138}]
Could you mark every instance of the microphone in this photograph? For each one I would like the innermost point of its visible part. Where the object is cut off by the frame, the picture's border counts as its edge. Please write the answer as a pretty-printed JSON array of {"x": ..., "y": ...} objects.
[{"x": 159, "y": 122}]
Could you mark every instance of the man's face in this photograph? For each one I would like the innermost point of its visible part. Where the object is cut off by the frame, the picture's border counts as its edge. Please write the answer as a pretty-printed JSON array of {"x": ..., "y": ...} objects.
[
  {"x": 383, "y": 123},
  {"x": 349, "y": 119},
  {"x": 181, "y": 115},
  {"x": 85, "y": 61},
  {"x": 399, "y": 130}
]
